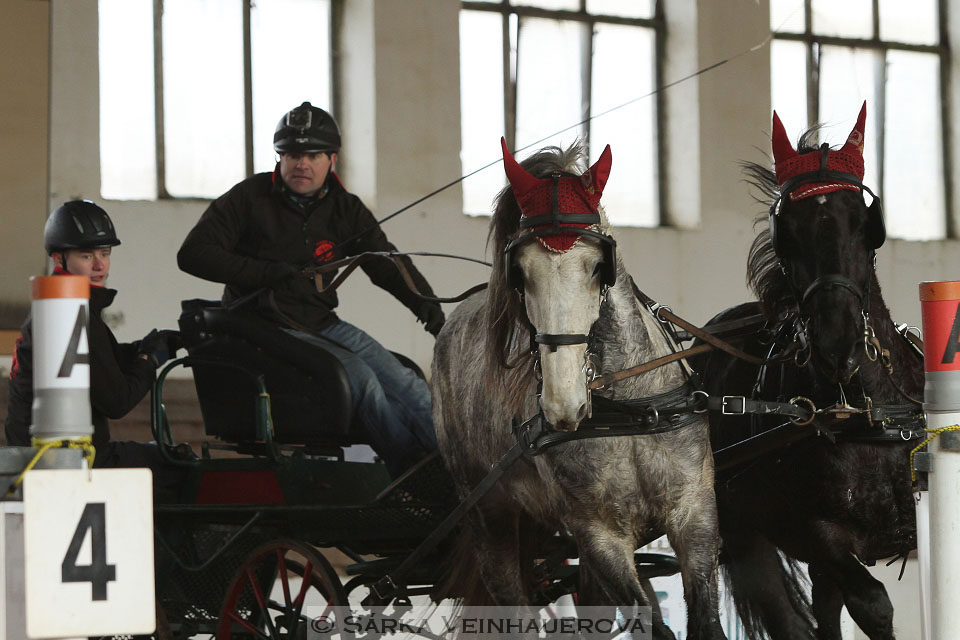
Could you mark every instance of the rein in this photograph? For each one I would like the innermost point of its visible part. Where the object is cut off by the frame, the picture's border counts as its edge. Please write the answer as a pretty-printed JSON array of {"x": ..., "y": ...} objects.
[
  {"x": 351, "y": 263},
  {"x": 663, "y": 314}
]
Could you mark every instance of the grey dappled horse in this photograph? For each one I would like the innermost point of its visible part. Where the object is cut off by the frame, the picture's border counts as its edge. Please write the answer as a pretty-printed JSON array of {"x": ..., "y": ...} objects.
[{"x": 614, "y": 494}]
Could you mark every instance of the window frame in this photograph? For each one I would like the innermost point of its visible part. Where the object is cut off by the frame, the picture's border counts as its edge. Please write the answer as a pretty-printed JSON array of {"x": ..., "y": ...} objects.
[
  {"x": 812, "y": 43},
  {"x": 657, "y": 24},
  {"x": 158, "y": 94}
]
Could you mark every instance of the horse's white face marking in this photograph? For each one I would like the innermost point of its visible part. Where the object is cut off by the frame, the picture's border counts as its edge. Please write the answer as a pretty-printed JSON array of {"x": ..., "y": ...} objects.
[{"x": 562, "y": 296}]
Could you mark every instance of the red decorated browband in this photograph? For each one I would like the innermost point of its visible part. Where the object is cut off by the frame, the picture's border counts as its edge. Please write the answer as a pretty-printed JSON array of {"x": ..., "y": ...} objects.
[
  {"x": 574, "y": 195},
  {"x": 789, "y": 163}
]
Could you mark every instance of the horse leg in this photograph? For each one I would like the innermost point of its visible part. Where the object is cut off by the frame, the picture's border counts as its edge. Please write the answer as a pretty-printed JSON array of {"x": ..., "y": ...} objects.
[
  {"x": 865, "y": 597},
  {"x": 768, "y": 598},
  {"x": 694, "y": 538},
  {"x": 827, "y": 602},
  {"x": 498, "y": 555},
  {"x": 608, "y": 575}
]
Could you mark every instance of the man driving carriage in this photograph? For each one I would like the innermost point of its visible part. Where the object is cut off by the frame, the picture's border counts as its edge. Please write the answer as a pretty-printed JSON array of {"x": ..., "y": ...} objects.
[
  {"x": 79, "y": 237},
  {"x": 258, "y": 239}
]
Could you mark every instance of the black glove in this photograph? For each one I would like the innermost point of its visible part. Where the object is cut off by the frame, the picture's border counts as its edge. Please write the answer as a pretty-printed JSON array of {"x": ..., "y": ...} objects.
[
  {"x": 280, "y": 272},
  {"x": 158, "y": 346},
  {"x": 431, "y": 315}
]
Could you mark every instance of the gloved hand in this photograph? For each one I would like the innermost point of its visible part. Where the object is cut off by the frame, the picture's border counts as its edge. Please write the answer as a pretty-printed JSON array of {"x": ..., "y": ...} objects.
[
  {"x": 431, "y": 315},
  {"x": 280, "y": 272},
  {"x": 157, "y": 346}
]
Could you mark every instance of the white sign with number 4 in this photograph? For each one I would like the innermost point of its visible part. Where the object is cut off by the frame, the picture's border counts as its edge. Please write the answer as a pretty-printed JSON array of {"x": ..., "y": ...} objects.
[{"x": 88, "y": 547}]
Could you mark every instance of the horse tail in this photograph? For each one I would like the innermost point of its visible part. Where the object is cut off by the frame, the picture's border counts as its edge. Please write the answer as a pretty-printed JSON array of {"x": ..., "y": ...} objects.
[{"x": 769, "y": 589}]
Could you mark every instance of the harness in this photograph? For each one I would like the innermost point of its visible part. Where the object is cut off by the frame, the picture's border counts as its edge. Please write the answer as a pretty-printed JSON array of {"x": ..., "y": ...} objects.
[{"x": 554, "y": 223}]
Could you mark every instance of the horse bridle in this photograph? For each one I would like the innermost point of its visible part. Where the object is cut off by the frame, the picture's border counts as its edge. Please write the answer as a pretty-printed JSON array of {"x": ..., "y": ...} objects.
[
  {"x": 876, "y": 235},
  {"x": 553, "y": 223}
]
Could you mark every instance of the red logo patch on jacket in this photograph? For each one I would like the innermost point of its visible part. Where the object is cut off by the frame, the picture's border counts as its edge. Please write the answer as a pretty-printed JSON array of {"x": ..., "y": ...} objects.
[{"x": 324, "y": 251}]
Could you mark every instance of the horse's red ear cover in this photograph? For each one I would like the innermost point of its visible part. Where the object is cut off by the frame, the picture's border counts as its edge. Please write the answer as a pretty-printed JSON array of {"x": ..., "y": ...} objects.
[
  {"x": 789, "y": 163},
  {"x": 574, "y": 195}
]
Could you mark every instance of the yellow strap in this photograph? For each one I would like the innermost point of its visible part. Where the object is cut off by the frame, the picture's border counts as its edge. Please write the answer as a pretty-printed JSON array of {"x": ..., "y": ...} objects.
[
  {"x": 42, "y": 446},
  {"x": 935, "y": 434}
]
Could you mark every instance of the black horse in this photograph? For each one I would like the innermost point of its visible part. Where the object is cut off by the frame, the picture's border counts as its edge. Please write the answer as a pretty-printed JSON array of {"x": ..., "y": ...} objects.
[{"x": 835, "y": 493}]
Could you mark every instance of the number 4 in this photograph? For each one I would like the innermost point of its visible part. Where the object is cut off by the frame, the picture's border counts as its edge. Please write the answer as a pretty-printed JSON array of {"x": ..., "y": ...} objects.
[{"x": 98, "y": 573}]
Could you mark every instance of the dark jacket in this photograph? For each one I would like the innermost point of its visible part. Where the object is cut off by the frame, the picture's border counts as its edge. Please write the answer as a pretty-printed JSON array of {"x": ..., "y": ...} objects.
[
  {"x": 259, "y": 235},
  {"x": 119, "y": 379}
]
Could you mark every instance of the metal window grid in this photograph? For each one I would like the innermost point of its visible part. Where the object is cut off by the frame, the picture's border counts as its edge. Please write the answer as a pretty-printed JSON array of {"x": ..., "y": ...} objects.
[
  {"x": 656, "y": 24},
  {"x": 814, "y": 42}
]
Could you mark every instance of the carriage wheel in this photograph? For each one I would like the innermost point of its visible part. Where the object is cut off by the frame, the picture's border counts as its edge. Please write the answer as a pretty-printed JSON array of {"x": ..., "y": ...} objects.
[{"x": 265, "y": 601}]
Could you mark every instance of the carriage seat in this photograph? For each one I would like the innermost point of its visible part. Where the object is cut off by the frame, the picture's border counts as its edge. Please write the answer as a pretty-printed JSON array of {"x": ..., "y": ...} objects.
[{"x": 309, "y": 392}]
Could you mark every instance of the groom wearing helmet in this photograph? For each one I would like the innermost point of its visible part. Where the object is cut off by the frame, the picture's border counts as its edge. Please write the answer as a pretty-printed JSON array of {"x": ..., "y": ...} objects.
[
  {"x": 79, "y": 237},
  {"x": 260, "y": 235}
]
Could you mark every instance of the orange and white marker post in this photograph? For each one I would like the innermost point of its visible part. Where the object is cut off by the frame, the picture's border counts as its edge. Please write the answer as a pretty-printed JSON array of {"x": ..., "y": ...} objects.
[
  {"x": 940, "y": 304},
  {"x": 61, "y": 358}
]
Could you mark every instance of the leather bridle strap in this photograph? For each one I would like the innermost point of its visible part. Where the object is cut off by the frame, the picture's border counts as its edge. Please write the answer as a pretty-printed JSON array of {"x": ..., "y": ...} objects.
[
  {"x": 832, "y": 280},
  {"x": 554, "y": 340}
]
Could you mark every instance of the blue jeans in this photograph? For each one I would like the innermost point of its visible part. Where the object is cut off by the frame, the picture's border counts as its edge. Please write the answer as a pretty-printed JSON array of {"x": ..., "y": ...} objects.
[{"x": 391, "y": 403}]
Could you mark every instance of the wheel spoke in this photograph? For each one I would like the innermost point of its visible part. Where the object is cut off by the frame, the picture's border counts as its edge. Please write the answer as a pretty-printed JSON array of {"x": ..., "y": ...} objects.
[
  {"x": 261, "y": 601},
  {"x": 284, "y": 580},
  {"x": 304, "y": 585},
  {"x": 246, "y": 625}
]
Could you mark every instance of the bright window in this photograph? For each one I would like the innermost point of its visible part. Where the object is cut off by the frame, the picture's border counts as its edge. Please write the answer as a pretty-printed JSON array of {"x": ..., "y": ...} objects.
[
  {"x": 546, "y": 72},
  {"x": 888, "y": 53},
  {"x": 210, "y": 85}
]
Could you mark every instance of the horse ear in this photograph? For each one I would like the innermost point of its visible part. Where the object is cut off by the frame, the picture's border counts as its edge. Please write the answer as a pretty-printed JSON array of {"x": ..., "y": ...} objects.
[
  {"x": 600, "y": 170},
  {"x": 782, "y": 149},
  {"x": 855, "y": 139},
  {"x": 520, "y": 179}
]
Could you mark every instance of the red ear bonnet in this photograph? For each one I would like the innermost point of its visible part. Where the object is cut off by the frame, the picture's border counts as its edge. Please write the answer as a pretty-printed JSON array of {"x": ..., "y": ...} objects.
[
  {"x": 789, "y": 163},
  {"x": 574, "y": 195}
]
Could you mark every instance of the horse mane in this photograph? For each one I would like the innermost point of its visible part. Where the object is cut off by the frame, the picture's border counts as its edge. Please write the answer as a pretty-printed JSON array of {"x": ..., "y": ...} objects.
[
  {"x": 506, "y": 317},
  {"x": 764, "y": 275}
]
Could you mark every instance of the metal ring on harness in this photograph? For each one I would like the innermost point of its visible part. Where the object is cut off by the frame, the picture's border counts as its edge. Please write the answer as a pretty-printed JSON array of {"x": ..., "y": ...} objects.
[
  {"x": 653, "y": 417},
  {"x": 813, "y": 410},
  {"x": 705, "y": 396},
  {"x": 656, "y": 308}
]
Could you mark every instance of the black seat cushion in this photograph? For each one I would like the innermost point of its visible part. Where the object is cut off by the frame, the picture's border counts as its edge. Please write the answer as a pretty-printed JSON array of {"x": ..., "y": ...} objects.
[{"x": 308, "y": 387}]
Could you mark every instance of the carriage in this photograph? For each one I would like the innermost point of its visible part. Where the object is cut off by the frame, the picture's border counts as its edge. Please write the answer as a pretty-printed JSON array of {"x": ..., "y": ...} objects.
[
  {"x": 238, "y": 542},
  {"x": 395, "y": 534}
]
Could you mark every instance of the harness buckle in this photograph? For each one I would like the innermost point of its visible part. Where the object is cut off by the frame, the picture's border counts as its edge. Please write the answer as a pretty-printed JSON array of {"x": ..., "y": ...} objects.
[
  {"x": 384, "y": 588},
  {"x": 727, "y": 409}
]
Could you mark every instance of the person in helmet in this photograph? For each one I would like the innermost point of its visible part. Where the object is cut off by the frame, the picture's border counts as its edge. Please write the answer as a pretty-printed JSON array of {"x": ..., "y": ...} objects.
[
  {"x": 79, "y": 237},
  {"x": 261, "y": 234}
]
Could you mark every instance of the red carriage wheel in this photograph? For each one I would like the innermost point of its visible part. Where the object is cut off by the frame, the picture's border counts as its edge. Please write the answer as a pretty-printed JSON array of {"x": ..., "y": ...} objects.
[{"x": 280, "y": 589}]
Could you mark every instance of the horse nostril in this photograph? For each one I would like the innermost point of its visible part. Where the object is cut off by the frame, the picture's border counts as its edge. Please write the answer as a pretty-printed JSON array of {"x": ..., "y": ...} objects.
[{"x": 582, "y": 412}]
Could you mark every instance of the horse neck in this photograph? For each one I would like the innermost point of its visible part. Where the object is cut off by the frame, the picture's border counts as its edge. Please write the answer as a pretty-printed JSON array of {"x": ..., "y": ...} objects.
[{"x": 628, "y": 335}]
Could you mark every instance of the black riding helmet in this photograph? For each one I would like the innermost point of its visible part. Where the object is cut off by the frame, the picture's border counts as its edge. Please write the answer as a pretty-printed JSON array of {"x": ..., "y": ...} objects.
[
  {"x": 307, "y": 129},
  {"x": 78, "y": 224}
]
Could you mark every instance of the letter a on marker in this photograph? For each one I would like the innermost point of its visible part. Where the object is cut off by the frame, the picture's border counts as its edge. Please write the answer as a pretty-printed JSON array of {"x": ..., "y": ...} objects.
[{"x": 73, "y": 355}]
